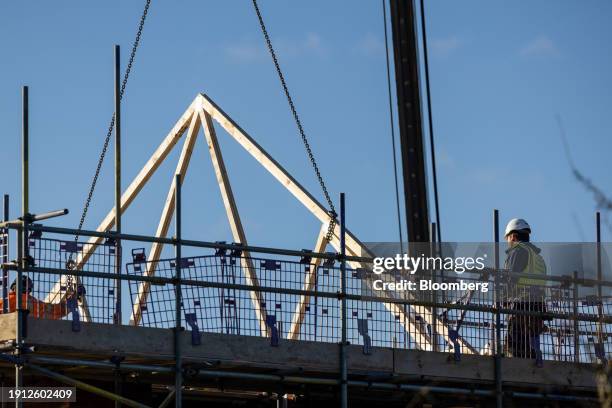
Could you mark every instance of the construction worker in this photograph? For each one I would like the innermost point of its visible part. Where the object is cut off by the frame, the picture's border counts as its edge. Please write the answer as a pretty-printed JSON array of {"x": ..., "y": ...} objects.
[
  {"x": 37, "y": 308},
  {"x": 524, "y": 293}
]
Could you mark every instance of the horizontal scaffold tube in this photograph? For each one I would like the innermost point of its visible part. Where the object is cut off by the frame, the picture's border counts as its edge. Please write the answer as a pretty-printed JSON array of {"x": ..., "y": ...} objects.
[
  {"x": 192, "y": 243},
  {"x": 311, "y": 380},
  {"x": 155, "y": 280},
  {"x": 267, "y": 250}
]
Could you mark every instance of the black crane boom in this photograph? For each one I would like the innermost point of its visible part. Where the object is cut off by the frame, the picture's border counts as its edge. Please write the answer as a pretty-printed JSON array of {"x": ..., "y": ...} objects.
[{"x": 405, "y": 50}]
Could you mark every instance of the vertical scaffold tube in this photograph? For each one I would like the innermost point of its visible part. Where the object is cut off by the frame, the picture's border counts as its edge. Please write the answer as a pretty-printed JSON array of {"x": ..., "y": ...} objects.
[
  {"x": 117, "y": 183},
  {"x": 600, "y": 309},
  {"x": 343, "y": 363},
  {"x": 497, "y": 301},
  {"x": 178, "y": 380},
  {"x": 118, "y": 258},
  {"x": 23, "y": 238}
]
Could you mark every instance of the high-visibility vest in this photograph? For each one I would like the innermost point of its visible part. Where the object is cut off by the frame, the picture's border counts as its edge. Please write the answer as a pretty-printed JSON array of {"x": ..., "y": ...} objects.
[
  {"x": 36, "y": 307},
  {"x": 535, "y": 266}
]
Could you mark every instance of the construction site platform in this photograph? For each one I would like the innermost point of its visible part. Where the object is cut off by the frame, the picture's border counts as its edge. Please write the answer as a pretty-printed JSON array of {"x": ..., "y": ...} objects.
[{"x": 294, "y": 361}]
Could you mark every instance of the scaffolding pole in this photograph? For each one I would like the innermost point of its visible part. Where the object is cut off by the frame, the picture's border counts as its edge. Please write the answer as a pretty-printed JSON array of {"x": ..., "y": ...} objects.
[
  {"x": 343, "y": 362},
  {"x": 178, "y": 380},
  {"x": 22, "y": 255},
  {"x": 433, "y": 238},
  {"x": 117, "y": 182},
  {"x": 575, "y": 318},
  {"x": 118, "y": 262},
  {"x": 467, "y": 390},
  {"x": 86, "y": 387},
  {"x": 600, "y": 310},
  {"x": 499, "y": 392}
]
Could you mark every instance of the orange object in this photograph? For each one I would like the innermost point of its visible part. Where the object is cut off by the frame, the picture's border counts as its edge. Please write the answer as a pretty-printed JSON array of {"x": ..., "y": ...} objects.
[{"x": 36, "y": 307}]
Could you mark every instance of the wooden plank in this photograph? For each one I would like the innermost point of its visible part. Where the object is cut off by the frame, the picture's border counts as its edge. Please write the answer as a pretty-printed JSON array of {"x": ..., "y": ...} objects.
[
  {"x": 309, "y": 284},
  {"x": 233, "y": 217},
  {"x": 128, "y": 196},
  {"x": 165, "y": 219}
]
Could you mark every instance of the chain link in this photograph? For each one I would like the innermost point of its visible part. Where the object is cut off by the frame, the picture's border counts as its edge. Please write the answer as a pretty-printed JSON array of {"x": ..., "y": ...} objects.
[
  {"x": 332, "y": 211},
  {"x": 111, "y": 127}
]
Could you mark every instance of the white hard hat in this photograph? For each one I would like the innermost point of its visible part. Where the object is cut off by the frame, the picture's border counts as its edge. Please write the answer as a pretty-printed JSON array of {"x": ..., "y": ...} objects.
[{"x": 517, "y": 224}]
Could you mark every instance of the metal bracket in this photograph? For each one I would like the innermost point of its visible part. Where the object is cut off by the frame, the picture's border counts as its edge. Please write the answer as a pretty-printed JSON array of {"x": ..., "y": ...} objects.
[
  {"x": 184, "y": 263},
  {"x": 362, "y": 328},
  {"x": 453, "y": 335},
  {"x": 191, "y": 320},
  {"x": 271, "y": 323},
  {"x": 36, "y": 234},
  {"x": 306, "y": 258},
  {"x": 329, "y": 262},
  {"x": 71, "y": 246},
  {"x": 270, "y": 265},
  {"x": 139, "y": 255},
  {"x": 220, "y": 251},
  {"x": 236, "y": 253}
]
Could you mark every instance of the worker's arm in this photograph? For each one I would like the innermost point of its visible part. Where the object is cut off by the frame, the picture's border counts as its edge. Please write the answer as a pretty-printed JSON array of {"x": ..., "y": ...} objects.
[{"x": 516, "y": 262}]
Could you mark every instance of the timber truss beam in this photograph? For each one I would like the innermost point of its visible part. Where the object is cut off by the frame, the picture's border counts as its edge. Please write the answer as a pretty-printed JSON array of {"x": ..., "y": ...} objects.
[{"x": 202, "y": 113}]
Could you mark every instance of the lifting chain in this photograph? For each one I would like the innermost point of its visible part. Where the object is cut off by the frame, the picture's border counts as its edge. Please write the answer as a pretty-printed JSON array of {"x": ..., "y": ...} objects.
[
  {"x": 71, "y": 264},
  {"x": 332, "y": 211}
]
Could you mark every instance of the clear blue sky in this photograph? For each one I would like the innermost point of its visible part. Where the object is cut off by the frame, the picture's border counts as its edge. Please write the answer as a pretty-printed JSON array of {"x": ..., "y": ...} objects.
[{"x": 500, "y": 71}]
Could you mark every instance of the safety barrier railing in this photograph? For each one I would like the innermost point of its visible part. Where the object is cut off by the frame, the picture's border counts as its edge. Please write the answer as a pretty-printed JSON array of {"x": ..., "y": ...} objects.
[{"x": 552, "y": 321}]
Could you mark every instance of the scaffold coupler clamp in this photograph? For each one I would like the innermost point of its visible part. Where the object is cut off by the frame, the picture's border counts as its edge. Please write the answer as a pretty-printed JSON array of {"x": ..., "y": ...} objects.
[
  {"x": 271, "y": 324},
  {"x": 117, "y": 360},
  {"x": 453, "y": 335},
  {"x": 191, "y": 319}
]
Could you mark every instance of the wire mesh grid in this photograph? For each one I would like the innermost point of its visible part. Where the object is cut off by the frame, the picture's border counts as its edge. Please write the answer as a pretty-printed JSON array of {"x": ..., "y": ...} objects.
[
  {"x": 51, "y": 289},
  {"x": 238, "y": 311},
  {"x": 381, "y": 319}
]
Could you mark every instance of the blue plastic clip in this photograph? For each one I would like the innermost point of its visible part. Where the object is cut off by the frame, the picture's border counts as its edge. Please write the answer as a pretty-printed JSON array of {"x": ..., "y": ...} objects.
[
  {"x": 73, "y": 307},
  {"x": 362, "y": 328},
  {"x": 270, "y": 265},
  {"x": 191, "y": 320},
  {"x": 539, "y": 359},
  {"x": 183, "y": 263},
  {"x": 453, "y": 335},
  {"x": 70, "y": 246},
  {"x": 271, "y": 323},
  {"x": 139, "y": 255}
]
